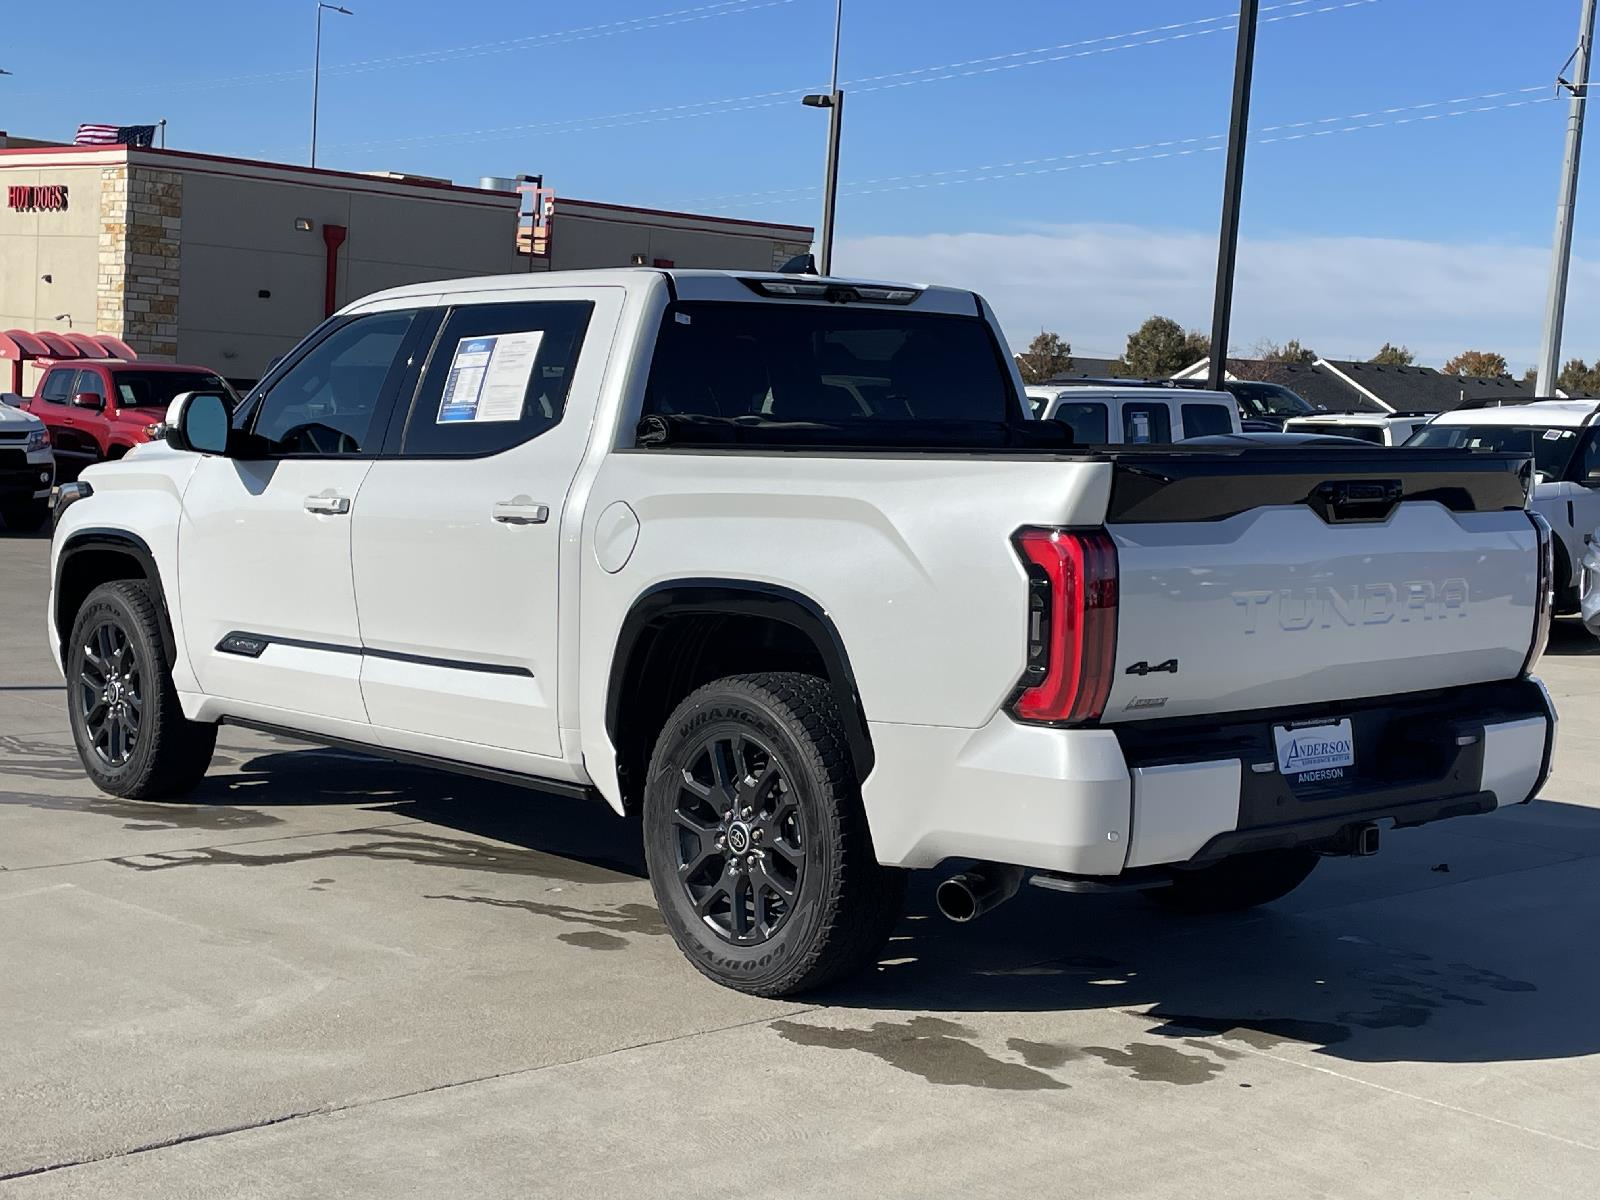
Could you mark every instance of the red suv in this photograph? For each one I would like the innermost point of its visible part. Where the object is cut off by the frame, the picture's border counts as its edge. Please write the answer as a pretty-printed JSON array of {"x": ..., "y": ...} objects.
[{"x": 97, "y": 410}]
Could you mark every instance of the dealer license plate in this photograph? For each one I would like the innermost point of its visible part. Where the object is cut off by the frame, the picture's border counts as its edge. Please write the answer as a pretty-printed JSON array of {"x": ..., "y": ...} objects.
[{"x": 1321, "y": 753}]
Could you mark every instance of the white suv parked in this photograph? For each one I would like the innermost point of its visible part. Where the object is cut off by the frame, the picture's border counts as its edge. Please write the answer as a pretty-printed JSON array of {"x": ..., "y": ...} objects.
[
  {"x": 781, "y": 564},
  {"x": 1103, "y": 415}
]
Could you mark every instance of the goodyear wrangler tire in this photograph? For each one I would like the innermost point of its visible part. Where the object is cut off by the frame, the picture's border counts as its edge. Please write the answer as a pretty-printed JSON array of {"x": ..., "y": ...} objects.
[
  {"x": 127, "y": 723},
  {"x": 1237, "y": 883},
  {"x": 756, "y": 841}
]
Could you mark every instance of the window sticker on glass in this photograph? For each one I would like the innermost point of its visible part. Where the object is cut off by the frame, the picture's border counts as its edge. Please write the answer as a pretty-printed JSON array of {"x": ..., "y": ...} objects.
[
  {"x": 1555, "y": 435},
  {"x": 489, "y": 377}
]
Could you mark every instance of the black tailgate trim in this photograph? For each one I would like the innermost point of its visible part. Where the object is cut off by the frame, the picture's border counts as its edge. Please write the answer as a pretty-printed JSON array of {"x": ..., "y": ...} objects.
[{"x": 1158, "y": 487}]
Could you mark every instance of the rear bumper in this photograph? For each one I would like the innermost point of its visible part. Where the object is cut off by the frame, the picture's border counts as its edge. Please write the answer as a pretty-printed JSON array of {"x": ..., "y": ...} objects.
[{"x": 1100, "y": 801}]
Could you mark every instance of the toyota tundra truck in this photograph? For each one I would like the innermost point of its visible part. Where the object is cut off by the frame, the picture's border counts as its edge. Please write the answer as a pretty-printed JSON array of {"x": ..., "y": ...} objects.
[{"x": 781, "y": 564}]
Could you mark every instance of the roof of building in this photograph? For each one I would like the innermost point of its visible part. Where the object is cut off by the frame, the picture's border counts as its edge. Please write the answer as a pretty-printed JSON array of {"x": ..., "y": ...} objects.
[
  {"x": 1084, "y": 367},
  {"x": 1423, "y": 389},
  {"x": 1344, "y": 386}
]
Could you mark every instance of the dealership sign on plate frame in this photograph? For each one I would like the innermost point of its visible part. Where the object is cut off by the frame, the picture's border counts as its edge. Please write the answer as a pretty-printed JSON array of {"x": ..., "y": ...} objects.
[{"x": 50, "y": 197}]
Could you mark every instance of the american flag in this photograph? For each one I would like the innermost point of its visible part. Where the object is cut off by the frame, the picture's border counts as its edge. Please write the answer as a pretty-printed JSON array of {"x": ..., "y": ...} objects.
[{"x": 115, "y": 135}]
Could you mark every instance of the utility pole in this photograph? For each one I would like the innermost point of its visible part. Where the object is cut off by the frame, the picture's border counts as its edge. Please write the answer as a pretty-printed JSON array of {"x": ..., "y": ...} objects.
[
  {"x": 1555, "y": 305},
  {"x": 834, "y": 103},
  {"x": 1232, "y": 191}
]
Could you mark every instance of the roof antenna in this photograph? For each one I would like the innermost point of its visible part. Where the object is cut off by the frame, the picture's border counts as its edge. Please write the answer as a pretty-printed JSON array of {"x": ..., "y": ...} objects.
[{"x": 800, "y": 264}]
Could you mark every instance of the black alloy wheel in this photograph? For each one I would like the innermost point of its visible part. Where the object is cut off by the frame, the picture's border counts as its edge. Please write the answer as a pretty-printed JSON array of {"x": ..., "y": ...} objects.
[
  {"x": 110, "y": 688},
  {"x": 741, "y": 841},
  {"x": 756, "y": 838}
]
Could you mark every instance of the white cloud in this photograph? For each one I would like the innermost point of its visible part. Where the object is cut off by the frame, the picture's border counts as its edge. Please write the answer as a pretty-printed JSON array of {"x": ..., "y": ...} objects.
[{"x": 1343, "y": 296}]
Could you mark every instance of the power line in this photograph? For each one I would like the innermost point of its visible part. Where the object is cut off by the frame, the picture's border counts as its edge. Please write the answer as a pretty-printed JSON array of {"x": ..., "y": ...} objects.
[
  {"x": 800, "y": 191},
  {"x": 1170, "y": 148},
  {"x": 582, "y": 33},
  {"x": 1087, "y": 47}
]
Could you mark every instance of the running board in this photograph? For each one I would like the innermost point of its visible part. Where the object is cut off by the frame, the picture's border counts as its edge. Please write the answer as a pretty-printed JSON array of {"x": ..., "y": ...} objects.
[{"x": 558, "y": 787}]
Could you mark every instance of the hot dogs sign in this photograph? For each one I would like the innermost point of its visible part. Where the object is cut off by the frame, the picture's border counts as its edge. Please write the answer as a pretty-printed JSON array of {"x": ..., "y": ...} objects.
[{"x": 50, "y": 197}]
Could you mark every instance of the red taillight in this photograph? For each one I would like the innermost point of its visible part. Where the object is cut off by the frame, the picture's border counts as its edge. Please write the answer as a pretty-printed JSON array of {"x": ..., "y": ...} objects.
[{"x": 1072, "y": 625}]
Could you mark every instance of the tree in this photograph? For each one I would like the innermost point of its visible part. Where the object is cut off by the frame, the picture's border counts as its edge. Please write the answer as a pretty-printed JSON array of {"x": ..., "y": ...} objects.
[
  {"x": 1046, "y": 356},
  {"x": 1391, "y": 355},
  {"x": 1530, "y": 377},
  {"x": 1578, "y": 376},
  {"x": 1290, "y": 352},
  {"x": 1160, "y": 347},
  {"x": 1477, "y": 364}
]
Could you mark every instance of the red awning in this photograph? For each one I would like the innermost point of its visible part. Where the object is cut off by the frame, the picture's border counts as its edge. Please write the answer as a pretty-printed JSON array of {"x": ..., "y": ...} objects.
[
  {"x": 89, "y": 347},
  {"x": 115, "y": 347},
  {"x": 59, "y": 347},
  {"x": 20, "y": 344}
]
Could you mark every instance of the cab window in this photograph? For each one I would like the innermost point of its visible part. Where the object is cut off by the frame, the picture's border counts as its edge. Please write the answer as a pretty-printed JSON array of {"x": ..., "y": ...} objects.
[
  {"x": 497, "y": 376},
  {"x": 1202, "y": 420},
  {"x": 58, "y": 385},
  {"x": 326, "y": 404},
  {"x": 89, "y": 381},
  {"x": 1144, "y": 422},
  {"x": 1088, "y": 420}
]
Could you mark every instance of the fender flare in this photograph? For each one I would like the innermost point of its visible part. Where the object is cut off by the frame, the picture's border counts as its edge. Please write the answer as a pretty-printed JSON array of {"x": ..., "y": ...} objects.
[
  {"x": 744, "y": 597},
  {"x": 130, "y": 545}
]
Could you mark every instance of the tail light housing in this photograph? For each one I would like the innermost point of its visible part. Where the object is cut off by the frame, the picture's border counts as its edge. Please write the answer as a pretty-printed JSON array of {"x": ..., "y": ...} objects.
[
  {"x": 1072, "y": 625},
  {"x": 1545, "y": 596}
]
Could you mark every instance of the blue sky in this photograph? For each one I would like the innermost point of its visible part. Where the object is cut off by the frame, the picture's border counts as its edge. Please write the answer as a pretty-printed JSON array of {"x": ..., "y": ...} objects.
[{"x": 1430, "y": 231}]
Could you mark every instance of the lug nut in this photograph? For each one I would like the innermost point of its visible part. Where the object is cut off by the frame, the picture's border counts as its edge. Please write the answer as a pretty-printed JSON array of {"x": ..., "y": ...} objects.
[{"x": 745, "y": 813}]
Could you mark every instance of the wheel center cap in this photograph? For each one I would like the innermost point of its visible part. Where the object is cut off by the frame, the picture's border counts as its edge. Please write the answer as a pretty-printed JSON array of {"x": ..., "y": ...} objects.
[{"x": 738, "y": 837}]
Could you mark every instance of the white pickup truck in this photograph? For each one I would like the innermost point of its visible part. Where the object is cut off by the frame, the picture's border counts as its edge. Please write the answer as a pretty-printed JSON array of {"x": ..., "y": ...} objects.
[{"x": 782, "y": 564}]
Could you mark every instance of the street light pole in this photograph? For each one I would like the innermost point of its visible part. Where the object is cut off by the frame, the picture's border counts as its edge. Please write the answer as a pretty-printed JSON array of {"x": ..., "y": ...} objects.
[
  {"x": 1232, "y": 191},
  {"x": 1556, "y": 301},
  {"x": 834, "y": 103},
  {"x": 316, "y": 71}
]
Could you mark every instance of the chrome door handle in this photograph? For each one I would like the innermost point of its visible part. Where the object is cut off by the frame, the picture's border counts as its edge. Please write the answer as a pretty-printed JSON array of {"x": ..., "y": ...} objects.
[
  {"x": 520, "y": 511},
  {"x": 328, "y": 504}
]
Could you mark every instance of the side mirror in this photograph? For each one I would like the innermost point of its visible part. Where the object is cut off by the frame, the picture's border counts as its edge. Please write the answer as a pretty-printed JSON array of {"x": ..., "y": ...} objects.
[
  {"x": 198, "y": 421},
  {"x": 89, "y": 400}
]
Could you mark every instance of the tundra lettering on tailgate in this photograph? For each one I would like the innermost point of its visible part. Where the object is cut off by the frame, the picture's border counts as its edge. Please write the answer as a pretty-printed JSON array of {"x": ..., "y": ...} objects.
[{"x": 1324, "y": 607}]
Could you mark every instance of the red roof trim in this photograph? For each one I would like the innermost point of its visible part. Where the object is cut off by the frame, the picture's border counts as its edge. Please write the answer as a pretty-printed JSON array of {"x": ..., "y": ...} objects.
[
  {"x": 255, "y": 162},
  {"x": 668, "y": 212}
]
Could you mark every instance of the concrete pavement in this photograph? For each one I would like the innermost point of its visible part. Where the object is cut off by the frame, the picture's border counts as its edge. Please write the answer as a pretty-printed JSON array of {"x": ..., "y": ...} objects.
[{"x": 332, "y": 976}]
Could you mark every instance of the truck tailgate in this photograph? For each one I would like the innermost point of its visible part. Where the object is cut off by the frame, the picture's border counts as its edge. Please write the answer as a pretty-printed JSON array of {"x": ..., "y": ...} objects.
[{"x": 1282, "y": 578}]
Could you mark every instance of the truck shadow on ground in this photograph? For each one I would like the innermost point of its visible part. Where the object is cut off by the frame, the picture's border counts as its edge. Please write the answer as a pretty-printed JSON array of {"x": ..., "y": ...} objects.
[
  {"x": 1407, "y": 962},
  {"x": 1569, "y": 639}
]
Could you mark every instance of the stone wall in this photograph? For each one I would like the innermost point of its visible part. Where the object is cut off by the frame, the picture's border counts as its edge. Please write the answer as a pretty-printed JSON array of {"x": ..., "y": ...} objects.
[{"x": 141, "y": 222}]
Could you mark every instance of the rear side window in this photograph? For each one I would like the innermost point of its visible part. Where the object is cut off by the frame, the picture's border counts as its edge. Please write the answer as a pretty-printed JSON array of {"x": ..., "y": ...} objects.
[
  {"x": 1142, "y": 423},
  {"x": 58, "y": 385},
  {"x": 157, "y": 389},
  {"x": 832, "y": 364},
  {"x": 89, "y": 381},
  {"x": 1202, "y": 420},
  {"x": 497, "y": 376},
  {"x": 1090, "y": 422}
]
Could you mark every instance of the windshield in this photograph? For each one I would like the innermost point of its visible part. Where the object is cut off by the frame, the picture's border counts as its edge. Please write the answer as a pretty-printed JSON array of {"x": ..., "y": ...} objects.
[
  {"x": 1552, "y": 448},
  {"x": 157, "y": 389},
  {"x": 833, "y": 364},
  {"x": 1269, "y": 399}
]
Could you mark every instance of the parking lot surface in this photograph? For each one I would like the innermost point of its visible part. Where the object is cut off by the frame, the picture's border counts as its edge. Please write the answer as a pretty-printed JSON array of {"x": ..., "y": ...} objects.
[{"x": 327, "y": 975}]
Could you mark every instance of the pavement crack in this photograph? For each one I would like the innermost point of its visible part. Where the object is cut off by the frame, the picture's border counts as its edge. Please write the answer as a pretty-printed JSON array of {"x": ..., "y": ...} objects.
[{"x": 329, "y": 1110}]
